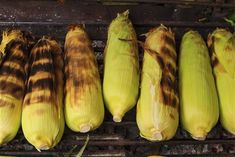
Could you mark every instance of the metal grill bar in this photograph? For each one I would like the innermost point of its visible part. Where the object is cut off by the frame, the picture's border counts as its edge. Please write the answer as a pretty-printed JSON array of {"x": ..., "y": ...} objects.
[
  {"x": 179, "y": 2},
  {"x": 62, "y": 154},
  {"x": 154, "y": 23}
]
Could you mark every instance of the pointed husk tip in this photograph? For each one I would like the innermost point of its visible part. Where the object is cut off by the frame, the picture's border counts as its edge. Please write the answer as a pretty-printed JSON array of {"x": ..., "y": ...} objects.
[
  {"x": 74, "y": 27},
  {"x": 124, "y": 14}
]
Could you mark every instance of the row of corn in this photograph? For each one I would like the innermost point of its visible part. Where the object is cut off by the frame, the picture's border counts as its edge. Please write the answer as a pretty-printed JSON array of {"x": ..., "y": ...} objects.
[{"x": 42, "y": 87}]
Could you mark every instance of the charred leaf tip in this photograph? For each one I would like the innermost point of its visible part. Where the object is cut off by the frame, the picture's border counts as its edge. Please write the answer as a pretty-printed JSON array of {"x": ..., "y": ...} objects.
[
  {"x": 124, "y": 14},
  {"x": 163, "y": 26},
  {"x": 209, "y": 40},
  {"x": 48, "y": 38},
  {"x": 73, "y": 27}
]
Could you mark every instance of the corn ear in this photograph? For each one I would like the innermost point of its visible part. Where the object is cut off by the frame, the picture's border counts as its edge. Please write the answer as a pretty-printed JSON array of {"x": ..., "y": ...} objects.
[
  {"x": 42, "y": 116},
  {"x": 198, "y": 96},
  {"x": 222, "y": 46},
  {"x": 84, "y": 107},
  {"x": 8, "y": 36},
  {"x": 157, "y": 108},
  {"x": 12, "y": 83},
  {"x": 121, "y": 67}
]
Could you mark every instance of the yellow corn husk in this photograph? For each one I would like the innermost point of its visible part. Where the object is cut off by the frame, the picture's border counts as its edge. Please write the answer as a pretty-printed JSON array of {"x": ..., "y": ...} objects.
[
  {"x": 121, "y": 67},
  {"x": 157, "y": 109},
  {"x": 222, "y": 46},
  {"x": 42, "y": 116},
  {"x": 12, "y": 83},
  {"x": 84, "y": 107},
  {"x": 198, "y": 96}
]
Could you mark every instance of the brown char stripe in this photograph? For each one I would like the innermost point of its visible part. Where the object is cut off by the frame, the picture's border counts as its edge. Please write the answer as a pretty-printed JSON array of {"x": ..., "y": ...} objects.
[
  {"x": 41, "y": 67},
  {"x": 167, "y": 52},
  {"x": 214, "y": 59},
  {"x": 41, "y": 52},
  {"x": 83, "y": 81},
  {"x": 4, "y": 103},
  {"x": 17, "y": 53},
  {"x": 168, "y": 39},
  {"x": 79, "y": 63},
  {"x": 13, "y": 89},
  {"x": 18, "y": 73},
  {"x": 156, "y": 56},
  {"x": 80, "y": 66},
  {"x": 43, "y": 83},
  {"x": 169, "y": 82},
  {"x": 74, "y": 49},
  {"x": 78, "y": 54}
]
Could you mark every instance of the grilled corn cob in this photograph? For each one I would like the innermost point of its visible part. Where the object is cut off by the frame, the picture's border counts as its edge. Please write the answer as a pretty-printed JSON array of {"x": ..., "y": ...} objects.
[
  {"x": 121, "y": 67},
  {"x": 222, "y": 46},
  {"x": 198, "y": 97},
  {"x": 42, "y": 116},
  {"x": 84, "y": 107},
  {"x": 157, "y": 108},
  {"x": 12, "y": 82},
  {"x": 8, "y": 36}
]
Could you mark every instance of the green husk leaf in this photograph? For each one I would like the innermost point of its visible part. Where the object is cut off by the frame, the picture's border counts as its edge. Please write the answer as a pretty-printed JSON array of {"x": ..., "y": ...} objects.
[
  {"x": 83, "y": 147},
  {"x": 231, "y": 18},
  {"x": 70, "y": 152},
  {"x": 231, "y": 22}
]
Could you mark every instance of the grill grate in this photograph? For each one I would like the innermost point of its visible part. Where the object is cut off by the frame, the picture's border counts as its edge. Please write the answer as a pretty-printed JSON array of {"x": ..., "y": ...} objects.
[{"x": 119, "y": 140}]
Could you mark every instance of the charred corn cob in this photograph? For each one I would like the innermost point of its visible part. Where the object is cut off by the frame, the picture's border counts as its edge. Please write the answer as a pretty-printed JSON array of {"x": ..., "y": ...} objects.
[
  {"x": 222, "y": 46},
  {"x": 157, "y": 108},
  {"x": 84, "y": 107},
  {"x": 8, "y": 36},
  {"x": 12, "y": 83},
  {"x": 121, "y": 67},
  {"x": 198, "y": 97},
  {"x": 42, "y": 116}
]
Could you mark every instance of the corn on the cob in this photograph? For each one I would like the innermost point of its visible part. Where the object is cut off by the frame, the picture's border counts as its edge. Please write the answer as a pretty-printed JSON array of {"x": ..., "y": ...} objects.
[
  {"x": 198, "y": 97},
  {"x": 42, "y": 116},
  {"x": 157, "y": 108},
  {"x": 12, "y": 83},
  {"x": 84, "y": 107},
  {"x": 8, "y": 36},
  {"x": 222, "y": 46},
  {"x": 121, "y": 67}
]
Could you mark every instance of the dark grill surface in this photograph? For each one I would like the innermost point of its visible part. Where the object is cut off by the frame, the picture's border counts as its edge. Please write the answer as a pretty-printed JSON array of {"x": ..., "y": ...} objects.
[{"x": 49, "y": 17}]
